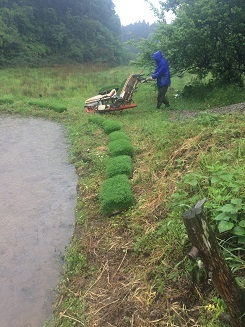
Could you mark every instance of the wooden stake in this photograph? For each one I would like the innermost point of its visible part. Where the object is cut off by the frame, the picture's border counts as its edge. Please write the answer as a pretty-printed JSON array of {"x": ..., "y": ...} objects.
[{"x": 203, "y": 238}]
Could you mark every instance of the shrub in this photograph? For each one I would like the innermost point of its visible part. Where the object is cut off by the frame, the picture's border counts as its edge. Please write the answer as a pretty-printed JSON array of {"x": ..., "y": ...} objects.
[
  {"x": 110, "y": 126},
  {"x": 119, "y": 165},
  {"x": 120, "y": 147},
  {"x": 117, "y": 135},
  {"x": 116, "y": 195}
]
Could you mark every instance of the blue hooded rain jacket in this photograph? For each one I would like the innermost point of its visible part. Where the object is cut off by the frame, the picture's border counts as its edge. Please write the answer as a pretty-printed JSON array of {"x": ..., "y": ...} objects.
[{"x": 161, "y": 73}]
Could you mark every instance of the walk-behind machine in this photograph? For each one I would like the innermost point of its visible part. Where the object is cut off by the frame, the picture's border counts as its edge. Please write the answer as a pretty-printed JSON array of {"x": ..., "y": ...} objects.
[{"x": 109, "y": 100}]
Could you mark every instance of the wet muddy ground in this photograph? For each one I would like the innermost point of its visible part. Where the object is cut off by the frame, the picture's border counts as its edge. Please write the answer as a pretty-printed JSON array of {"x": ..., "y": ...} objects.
[{"x": 37, "y": 214}]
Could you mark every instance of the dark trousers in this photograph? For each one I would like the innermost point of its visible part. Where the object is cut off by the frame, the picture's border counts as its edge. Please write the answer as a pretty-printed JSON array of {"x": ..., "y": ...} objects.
[{"x": 161, "y": 97}]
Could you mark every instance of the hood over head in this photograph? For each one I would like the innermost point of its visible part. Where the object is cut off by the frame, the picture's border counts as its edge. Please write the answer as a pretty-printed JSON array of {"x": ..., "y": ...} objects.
[{"x": 157, "y": 56}]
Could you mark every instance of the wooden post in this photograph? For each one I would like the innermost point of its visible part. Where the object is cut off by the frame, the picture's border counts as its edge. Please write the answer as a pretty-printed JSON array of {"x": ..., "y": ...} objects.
[{"x": 203, "y": 238}]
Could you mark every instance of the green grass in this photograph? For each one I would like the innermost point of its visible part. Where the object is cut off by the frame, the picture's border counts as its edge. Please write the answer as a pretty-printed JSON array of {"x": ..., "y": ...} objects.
[
  {"x": 117, "y": 135},
  {"x": 116, "y": 195},
  {"x": 119, "y": 165},
  {"x": 140, "y": 253},
  {"x": 120, "y": 147},
  {"x": 110, "y": 126}
]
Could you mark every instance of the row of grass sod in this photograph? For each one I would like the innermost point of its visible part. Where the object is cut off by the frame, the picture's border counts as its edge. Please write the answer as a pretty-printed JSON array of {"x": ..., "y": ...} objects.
[
  {"x": 57, "y": 107},
  {"x": 115, "y": 193}
]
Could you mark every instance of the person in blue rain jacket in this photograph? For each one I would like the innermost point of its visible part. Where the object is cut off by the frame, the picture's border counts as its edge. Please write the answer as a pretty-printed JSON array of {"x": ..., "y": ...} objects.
[{"x": 162, "y": 75}]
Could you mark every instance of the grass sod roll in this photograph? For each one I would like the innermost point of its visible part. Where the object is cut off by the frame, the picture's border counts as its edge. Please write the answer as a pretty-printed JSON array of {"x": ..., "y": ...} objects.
[
  {"x": 116, "y": 195},
  {"x": 117, "y": 135},
  {"x": 110, "y": 126},
  {"x": 97, "y": 120},
  {"x": 119, "y": 165},
  {"x": 45, "y": 105},
  {"x": 120, "y": 147}
]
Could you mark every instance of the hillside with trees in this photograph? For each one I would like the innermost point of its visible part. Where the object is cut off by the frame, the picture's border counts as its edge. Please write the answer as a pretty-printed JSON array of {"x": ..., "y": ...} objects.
[
  {"x": 133, "y": 33},
  {"x": 137, "y": 31},
  {"x": 41, "y": 32}
]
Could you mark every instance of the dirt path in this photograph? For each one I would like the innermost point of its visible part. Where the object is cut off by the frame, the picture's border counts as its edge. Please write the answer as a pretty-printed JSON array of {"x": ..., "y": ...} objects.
[{"x": 188, "y": 114}]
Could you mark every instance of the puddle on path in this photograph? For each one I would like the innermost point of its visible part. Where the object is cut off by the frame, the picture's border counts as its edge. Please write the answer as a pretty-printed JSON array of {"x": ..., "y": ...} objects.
[{"x": 37, "y": 214}]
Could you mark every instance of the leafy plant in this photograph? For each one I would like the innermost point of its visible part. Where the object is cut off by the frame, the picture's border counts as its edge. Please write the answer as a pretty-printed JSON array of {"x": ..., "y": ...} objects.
[
  {"x": 232, "y": 218},
  {"x": 75, "y": 260}
]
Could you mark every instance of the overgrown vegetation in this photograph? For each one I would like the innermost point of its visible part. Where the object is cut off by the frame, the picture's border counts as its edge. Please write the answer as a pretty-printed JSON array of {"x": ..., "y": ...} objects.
[{"x": 131, "y": 269}]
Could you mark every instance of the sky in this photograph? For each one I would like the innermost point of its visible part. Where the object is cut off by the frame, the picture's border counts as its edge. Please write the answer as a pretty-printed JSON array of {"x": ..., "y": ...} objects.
[{"x": 131, "y": 11}]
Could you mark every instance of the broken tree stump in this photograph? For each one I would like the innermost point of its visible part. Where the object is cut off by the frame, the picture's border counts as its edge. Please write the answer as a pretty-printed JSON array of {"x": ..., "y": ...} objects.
[{"x": 202, "y": 238}]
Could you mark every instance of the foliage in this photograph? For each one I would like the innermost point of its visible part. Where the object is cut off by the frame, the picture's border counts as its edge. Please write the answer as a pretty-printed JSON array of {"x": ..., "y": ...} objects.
[
  {"x": 49, "y": 32},
  {"x": 206, "y": 36},
  {"x": 76, "y": 261},
  {"x": 120, "y": 147},
  {"x": 120, "y": 165},
  {"x": 116, "y": 194},
  {"x": 224, "y": 190}
]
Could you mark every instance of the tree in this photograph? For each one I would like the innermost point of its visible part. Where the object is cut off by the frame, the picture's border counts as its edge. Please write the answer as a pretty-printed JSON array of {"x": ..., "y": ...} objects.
[
  {"x": 206, "y": 36},
  {"x": 36, "y": 32}
]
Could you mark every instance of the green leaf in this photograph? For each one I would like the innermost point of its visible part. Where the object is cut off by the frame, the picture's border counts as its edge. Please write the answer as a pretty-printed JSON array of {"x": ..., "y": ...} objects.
[
  {"x": 242, "y": 223},
  {"x": 239, "y": 231},
  {"x": 241, "y": 239},
  {"x": 224, "y": 226},
  {"x": 237, "y": 202},
  {"x": 222, "y": 216},
  {"x": 214, "y": 180},
  {"x": 240, "y": 281},
  {"x": 229, "y": 208}
]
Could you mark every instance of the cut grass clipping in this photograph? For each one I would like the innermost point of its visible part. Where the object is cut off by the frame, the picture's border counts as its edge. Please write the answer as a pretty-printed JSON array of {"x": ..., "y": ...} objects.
[
  {"x": 120, "y": 147},
  {"x": 116, "y": 195},
  {"x": 117, "y": 135},
  {"x": 121, "y": 165}
]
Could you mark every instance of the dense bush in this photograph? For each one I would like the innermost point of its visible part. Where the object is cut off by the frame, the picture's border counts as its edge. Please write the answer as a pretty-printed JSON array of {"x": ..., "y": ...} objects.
[
  {"x": 116, "y": 195},
  {"x": 120, "y": 147},
  {"x": 119, "y": 165}
]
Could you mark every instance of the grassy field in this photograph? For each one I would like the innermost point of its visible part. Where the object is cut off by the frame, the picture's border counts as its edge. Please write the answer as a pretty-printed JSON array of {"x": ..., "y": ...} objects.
[{"x": 131, "y": 269}]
